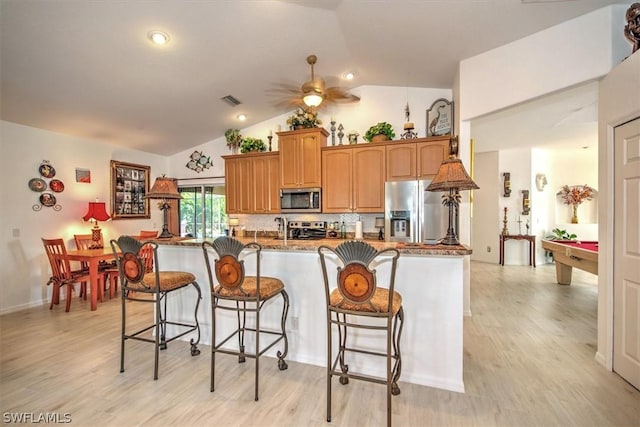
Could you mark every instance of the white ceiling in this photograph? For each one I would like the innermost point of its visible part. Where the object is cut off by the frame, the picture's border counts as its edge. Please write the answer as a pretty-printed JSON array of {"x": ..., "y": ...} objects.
[{"x": 86, "y": 68}]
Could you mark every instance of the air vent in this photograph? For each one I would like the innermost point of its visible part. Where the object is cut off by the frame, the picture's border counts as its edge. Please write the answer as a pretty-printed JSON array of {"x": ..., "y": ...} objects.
[{"x": 231, "y": 100}]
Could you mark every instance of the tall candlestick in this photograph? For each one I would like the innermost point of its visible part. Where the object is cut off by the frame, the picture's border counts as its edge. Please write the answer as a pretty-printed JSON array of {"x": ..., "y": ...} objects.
[{"x": 270, "y": 132}]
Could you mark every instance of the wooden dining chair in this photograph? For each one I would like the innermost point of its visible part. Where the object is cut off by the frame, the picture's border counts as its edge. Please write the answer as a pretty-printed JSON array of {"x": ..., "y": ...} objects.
[
  {"x": 109, "y": 271},
  {"x": 61, "y": 273},
  {"x": 145, "y": 234}
]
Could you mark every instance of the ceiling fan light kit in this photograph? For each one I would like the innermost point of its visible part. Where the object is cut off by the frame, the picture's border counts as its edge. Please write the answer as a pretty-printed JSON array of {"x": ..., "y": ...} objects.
[
  {"x": 314, "y": 93},
  {"x": 312, "y": 99}
]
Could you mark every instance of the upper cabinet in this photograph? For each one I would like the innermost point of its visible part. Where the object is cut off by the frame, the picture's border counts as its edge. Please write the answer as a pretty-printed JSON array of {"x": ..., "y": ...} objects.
[
  {"x": 300, "y": 158},
  {"x": 252, "y": 183},
  {"x": 416, "y": 158},
  {"x": 266, "y": 183},
  {"x": 353, "y": 178}
]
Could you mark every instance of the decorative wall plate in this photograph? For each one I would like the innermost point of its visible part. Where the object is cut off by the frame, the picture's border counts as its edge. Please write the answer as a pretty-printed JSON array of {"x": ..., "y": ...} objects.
[
  {"x": 37, "y": 184},
  {"x": 56, "y": 186},
  {"x": 47, "y": 170},
  {"x": 47, "y": 199}
]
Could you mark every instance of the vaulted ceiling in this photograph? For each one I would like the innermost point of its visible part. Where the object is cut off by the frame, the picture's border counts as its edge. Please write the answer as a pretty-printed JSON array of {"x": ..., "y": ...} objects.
[{"x": 87, "y": 68}]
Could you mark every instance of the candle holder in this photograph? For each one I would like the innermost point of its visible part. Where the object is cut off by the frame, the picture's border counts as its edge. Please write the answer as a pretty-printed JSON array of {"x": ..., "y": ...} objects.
[
  {"x": 340, "y": 133},
  {"x": 333, "y": 132},
  {"x": 270, "y": 137},
  {"x": 505, "y": 231},
  {"x": 408, "y": 131}
]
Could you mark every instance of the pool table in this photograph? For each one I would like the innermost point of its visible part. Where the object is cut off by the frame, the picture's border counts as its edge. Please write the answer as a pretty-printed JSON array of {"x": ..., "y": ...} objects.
[{"x": 572, "y": 253}]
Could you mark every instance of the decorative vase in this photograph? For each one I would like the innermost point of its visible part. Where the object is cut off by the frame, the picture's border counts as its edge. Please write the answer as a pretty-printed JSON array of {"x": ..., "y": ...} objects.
[
  {"x": 574, "y": 217},
  {"x": 379, "y": 138}
]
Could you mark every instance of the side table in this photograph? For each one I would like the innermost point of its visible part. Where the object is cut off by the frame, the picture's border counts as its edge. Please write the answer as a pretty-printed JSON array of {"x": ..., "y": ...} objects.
[{"x": 532, "y": 246}]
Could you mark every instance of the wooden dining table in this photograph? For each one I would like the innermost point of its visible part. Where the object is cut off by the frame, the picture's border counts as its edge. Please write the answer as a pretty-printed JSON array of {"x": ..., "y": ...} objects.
[{"x": 93, "y": 258}]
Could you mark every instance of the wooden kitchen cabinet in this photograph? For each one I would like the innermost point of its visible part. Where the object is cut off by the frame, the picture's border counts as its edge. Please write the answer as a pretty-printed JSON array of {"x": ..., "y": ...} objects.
[
  {"x": 353, "y": 179},
  {"x": 265, "y": 172},
  {"x": 252, "y": 183},
  {"x": 430, "y": 156},
  {"x": 416, "y": 158},
  {"x": 300, "y": 158},
  {"x": 238, "y": 192}
]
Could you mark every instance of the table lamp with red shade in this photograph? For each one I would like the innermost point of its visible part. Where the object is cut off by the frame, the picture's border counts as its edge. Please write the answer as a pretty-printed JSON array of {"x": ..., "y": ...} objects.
[{"x": 96, "y": 211}]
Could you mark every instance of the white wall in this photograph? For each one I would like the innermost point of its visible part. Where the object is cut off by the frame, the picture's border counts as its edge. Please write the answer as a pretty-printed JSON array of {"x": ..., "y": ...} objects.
[
  {"x": 485, "y": 225},
  {"x": 377, "y": 104},
  {"x": 589, "y": 46},
  {"x": 573, "y": 167},
  {"x": 24, "y": 268},
  {"x": 525, "y": 69}
]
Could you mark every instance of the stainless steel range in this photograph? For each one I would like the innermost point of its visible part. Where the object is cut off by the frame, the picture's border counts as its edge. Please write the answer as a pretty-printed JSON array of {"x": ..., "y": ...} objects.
[{"x": 307, "y": 230}]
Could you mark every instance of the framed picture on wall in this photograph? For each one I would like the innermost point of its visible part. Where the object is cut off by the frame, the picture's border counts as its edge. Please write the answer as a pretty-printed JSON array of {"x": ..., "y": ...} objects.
[
  {"x": 129, "y": 186},
  {"x": 440, "y": 118}
]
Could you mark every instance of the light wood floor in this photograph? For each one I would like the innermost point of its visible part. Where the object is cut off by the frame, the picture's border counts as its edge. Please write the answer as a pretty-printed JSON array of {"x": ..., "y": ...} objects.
[{"x": 528, "y": 361}]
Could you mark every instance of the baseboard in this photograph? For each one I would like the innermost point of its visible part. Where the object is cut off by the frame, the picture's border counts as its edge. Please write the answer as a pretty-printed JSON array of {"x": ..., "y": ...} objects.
[{"x": 22, "y": 307}]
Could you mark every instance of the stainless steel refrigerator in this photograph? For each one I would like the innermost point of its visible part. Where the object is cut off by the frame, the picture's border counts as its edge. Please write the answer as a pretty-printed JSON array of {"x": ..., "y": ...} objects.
[{"x": 412, "y": 214}]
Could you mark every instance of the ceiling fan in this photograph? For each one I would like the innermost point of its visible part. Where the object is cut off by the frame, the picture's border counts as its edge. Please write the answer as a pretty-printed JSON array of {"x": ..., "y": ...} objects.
[{"x": 314, "y": 92}]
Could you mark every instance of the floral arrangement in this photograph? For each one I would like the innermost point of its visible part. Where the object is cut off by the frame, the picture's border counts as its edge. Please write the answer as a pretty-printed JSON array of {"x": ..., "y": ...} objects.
[
  {"x": 305, "y": 118},
  {"x": 576, "y": 194}
]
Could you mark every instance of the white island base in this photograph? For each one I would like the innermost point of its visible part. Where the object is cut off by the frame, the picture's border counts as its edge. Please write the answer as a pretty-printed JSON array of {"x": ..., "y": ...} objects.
[{"x": 431, "y": 288}]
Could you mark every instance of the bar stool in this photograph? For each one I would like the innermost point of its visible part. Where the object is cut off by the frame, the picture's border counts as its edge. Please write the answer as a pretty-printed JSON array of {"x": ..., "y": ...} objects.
[
  {"x": 138, "y": 284},
  {"x": 356, "y": 296},
  {"x": 237, "y": 292}
]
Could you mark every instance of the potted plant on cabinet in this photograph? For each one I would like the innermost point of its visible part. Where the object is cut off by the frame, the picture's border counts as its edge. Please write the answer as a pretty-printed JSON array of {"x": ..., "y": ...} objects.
[
  {"x": 233, "y": 139},
  {"x": 380, "y": 132},
  {"x": 252, "y": 144}
]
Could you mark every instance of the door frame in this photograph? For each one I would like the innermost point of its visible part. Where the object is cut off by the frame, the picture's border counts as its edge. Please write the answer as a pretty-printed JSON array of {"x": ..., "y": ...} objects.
[{"x": 618, "y": 103}]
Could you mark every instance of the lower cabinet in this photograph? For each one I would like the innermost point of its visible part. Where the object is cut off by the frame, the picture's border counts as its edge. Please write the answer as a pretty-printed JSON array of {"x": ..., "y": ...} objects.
[
  {"x": 353, "y": 179},
  {"x": 252, "y": 183}
]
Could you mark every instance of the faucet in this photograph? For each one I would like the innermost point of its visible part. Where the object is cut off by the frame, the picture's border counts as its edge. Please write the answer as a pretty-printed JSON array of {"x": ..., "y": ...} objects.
[{"x": 282, "y": 223}]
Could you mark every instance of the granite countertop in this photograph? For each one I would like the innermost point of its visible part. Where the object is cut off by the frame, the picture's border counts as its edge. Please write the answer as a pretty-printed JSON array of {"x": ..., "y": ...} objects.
[{"x": 270, "y": 243}]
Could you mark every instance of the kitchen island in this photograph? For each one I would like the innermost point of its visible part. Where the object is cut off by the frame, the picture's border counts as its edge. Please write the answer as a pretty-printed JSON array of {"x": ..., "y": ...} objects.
[{"x": 430, "y": 279}]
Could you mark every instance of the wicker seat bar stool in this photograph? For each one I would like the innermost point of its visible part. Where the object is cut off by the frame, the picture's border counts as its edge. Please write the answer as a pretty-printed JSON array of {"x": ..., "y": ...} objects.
[
  {"x": 140, "y": 283},
  {"x": 355, "y": 302},
  {"x": 232, "y": 290}
]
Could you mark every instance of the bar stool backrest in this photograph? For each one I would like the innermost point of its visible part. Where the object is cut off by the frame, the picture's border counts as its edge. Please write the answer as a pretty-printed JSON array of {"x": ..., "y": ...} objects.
[
  {"x": 134, "y": 258},
  {"x": 356, "y": 279}
]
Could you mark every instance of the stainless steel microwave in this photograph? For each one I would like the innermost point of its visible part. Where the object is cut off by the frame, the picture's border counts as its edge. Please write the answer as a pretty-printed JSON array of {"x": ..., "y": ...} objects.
[{"x": 300, "y": 200}]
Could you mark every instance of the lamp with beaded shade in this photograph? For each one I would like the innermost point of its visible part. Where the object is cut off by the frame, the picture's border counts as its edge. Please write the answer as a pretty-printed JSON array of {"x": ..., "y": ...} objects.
[
  {"x": 164, "y": 189},
  {"x": 451, "y": 177}
]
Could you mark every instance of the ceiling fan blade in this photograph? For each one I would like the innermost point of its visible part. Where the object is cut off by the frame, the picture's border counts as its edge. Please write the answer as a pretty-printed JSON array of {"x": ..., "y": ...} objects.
[
  {"x": 339, "y": 95},
  {"x": 291, "y": 103}
]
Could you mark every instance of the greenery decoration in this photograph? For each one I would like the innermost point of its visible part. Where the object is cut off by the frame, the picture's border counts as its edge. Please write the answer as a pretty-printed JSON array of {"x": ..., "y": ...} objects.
[
  {"x": 234, "y": 138},
  {"x": 303, "y": 118},
  {"x": 558, "y": 234},
  {"x": 382, "y": 128},
  {"x": 252, "y": 144}
]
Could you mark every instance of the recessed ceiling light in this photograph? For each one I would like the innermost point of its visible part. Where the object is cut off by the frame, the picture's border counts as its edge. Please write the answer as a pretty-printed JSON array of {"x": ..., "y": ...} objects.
[
  {"x": 348, "y": 75},
  {"x": 241, "y": 117},
  {"x": 158, "y": 37}
]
